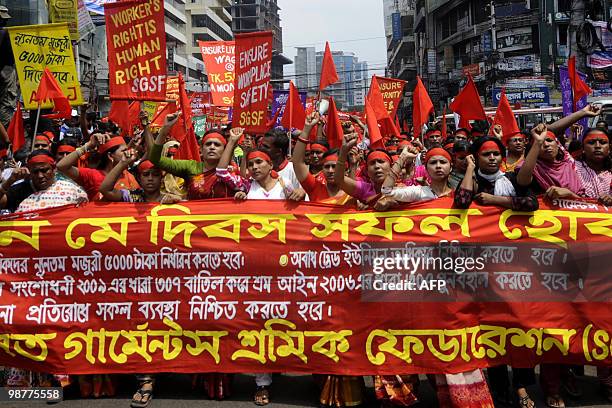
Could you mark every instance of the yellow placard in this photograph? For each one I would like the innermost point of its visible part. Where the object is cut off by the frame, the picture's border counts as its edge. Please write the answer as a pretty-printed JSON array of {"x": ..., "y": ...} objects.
[
  {"x": 150, "y": 107},
  {"x": 65, "y": 11},
  {"x": 37, "y": 47}
]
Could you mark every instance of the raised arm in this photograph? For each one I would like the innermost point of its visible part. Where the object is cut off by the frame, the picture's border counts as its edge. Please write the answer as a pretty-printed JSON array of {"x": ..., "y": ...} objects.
[
  {"x": 107, "y": 188},
  {"x": 83, "y": 122},
  {"x": 589, "y": 111},
  {"x": 299, "y": 153},
  {"x": 226, "y": 157},
  {"x": 67, "y": 165},
  {"x": 348, "y": 185},
  {"x": 407, "y": 156},
  {"x": 525, "y": 174}
]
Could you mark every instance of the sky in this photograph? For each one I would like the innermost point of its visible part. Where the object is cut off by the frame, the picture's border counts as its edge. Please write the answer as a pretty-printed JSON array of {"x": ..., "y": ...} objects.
[{"x": 310, "y": 23}]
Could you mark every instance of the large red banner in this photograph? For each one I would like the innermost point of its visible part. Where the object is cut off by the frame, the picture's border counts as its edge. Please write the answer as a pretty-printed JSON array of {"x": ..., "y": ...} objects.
[
  {"x": 252, "y": 88},
  {"x": 136, "y": 43},
  {"x": 392, "y": 91},
  {"x": 266, "y": 286},
  {"x": 219, "y": 60}
]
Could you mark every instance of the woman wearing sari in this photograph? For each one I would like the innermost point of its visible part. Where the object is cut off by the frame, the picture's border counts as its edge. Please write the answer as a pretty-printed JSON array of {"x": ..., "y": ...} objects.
[
  {"x": 202, "y": 183},
  {"x": 467, "y": 389},
  {"x": 321, "y": 188},
  {"x": 336, "y": 390},
  {"x": 550, "y": 169},
  {"x": 594, "y": 166},
  {"x": 201, "y": 178},
  {"x": 378, "y": 164},
  {"x": 264, "y": 183}
]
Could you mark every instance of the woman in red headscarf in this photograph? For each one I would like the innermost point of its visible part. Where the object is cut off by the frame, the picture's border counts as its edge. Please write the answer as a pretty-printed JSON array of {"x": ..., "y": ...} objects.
[
  {"x": 200, "y": 176},
  {"x": 263, "y": 184},
  {"x": 487, "y": 184},
  {"x": 378, "y": 165},
  {"x": 594, "y": 166},
  {"x": 438, "y": 163},
  {"x": 109, "y": 151}
]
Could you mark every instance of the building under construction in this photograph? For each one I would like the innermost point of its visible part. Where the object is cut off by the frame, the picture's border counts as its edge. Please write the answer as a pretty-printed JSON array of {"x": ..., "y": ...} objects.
[{"x": 262, "y": 15}]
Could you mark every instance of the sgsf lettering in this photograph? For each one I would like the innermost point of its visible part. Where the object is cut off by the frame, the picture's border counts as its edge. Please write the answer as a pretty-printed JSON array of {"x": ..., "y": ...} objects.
[
  {"x": 228, "y": 100},
  {"x": 251, "y": 118},
  {"x": 149, "y": 84}
]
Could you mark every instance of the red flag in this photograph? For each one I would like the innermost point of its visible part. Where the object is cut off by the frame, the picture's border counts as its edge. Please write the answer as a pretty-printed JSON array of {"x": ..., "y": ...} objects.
[
  {"x": 15, "y": 130},
  {"x": 125, "y": 115},
  {"x": 377, "y": 103},
  {"x": 49, "y": 89},
  {"x": 505, "y": 117},
  {"x": 467, "y": 104},
  {"x": 422, "y": 107},
  {"x": 579, "y": 88},
  {"x": 183, "y": 131},
  {"x": 334, "y": 130},
  {"x": 444, "y": 128},
  {"x": 294, "y": 115},
  {"x": 392, "y": 90},
  {"x": 376, "y": 140},
  {"x": 328, "y": 69}
]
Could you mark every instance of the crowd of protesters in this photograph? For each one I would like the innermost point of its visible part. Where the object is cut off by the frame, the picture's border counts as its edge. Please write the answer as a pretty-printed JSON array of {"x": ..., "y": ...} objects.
[{"x": 85, "y": 159}]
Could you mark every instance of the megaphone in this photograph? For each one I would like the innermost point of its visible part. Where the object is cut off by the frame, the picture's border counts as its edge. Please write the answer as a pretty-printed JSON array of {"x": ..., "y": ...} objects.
[{"x": 323, "y": 106}]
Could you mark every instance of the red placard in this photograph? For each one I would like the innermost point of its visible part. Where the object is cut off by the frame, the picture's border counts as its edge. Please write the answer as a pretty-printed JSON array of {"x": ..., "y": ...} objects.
[
  {"x": 219, "y": 59},
  {"x": 392, "y": 91},
  {"x": 200, "y": 102},
  {"x": 253, "y": 73},
  {"x": 136, "y": 43},
  {"x": 270, "y": 286}
]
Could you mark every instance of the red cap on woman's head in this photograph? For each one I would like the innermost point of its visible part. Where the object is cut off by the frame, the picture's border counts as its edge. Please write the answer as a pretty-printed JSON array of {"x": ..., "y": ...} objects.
[
  {"x": 66, "y": 149},
  {"x": 378, "y": 155},
  {"x": 437, "y": 151},
  {"x": 115, "y": 141},
  {"x": 259, "y": 154}
]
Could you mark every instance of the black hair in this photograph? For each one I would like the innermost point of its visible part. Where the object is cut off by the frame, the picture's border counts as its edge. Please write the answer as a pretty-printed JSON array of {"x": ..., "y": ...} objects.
[
  {"x": 329, "y": 153},
  {"x": 449, "y": 139},
  {"x": 104, "y": 159},
  {"x": 40, "y": 152},
  {"x": 560, "y": 154},
  {"x": 482, "y": 140},
  {"x": 66, "y": 141},
  {"x": 214, "y": 130},
  {"x": 574, "y": 146},
  {"x": 281, "y": 141},
  {"x": 461, "y": 146},
  {"x": 21, "y": 155}
]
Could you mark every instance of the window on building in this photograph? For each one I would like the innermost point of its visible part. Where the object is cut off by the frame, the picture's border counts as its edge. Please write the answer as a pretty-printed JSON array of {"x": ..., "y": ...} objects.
[
  {"x": 564, "y": 5},
  {"x": 203, "y": 20},
  {"x": 562, "y": 34}
]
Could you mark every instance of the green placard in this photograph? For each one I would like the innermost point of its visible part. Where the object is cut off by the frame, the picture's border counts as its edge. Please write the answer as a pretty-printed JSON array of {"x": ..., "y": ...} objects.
[{"x": 199, "y": 125}]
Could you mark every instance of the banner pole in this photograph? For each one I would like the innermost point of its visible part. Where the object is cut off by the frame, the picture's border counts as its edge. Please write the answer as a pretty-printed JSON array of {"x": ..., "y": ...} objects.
[
  {"x": 35, "y": 128},
  {"x": 289, "y": 136}
]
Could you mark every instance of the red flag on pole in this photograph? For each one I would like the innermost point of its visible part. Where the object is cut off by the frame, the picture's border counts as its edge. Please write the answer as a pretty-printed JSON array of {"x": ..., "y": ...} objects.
[
  {"x": 505, "y": 117},
  {"x": 467, "y": 104},
  {"x": 377, "y": 103},
  {"x": 183, "y": 131},
  {"x": 422, "y": 107},
  {"x": 328, "y": 69},
  {"x": 294, "y": 115},
  {"x": 334, "y": 130},
  {"x": 49, "y": 89},
  {"x": 15, "y": 130},
  {"x": 579, "y": 88},
  {"x": 125, "y": 115},
  {"x": 376, "y": 140}
]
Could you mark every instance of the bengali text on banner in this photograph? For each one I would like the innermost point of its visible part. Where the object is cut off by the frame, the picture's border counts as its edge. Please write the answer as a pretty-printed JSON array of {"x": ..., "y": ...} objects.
[
  {"x": 37, "y": 47},
  {"x": 219, "y": 59},
  {"x": 65, "y": 11},
  {"x": 252, "y": 87},
  {"x": 136, "y": 43},
  {"x": 268, "y": 286}
]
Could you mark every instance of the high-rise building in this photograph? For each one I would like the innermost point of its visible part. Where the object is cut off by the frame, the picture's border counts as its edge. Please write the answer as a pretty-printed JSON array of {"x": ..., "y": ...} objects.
[
  {"x": 399, "y": 30},
  {"x": 180, "y": 58},
  {"x": 306, "y": 69},
  {"x": 207, "y": 20},
  {"x": 348, "y": 68},
  {"x": 262, "y": 15}
]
